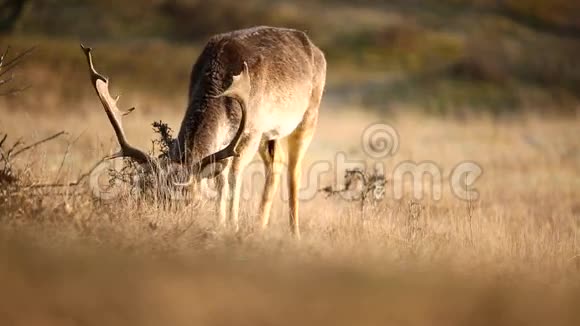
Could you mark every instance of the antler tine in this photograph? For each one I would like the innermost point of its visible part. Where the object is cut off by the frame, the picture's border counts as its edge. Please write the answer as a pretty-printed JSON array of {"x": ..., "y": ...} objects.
[
  {"x": 240, "y": 91},
  {"x": 101, "y": 85}
]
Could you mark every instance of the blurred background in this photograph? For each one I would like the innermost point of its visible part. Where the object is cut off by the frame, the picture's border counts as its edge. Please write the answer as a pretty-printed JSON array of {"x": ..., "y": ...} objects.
[{"x": 444, "y": 57}]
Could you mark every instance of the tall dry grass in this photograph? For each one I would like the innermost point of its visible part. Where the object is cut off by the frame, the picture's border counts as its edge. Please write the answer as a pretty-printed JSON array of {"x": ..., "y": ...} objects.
[{"x": 509, "y": 257}]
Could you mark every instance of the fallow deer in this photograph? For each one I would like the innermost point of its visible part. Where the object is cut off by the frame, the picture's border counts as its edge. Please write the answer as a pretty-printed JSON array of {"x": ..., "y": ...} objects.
[{"x": 249, "y": 89}]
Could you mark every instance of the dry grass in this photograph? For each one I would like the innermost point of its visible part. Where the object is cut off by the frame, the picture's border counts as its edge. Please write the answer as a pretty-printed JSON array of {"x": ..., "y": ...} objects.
[{"x": 509, "y": 257}]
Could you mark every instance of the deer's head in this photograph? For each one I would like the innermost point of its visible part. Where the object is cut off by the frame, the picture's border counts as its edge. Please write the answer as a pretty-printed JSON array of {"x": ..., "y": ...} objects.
[{"x": 170, "y": 167}]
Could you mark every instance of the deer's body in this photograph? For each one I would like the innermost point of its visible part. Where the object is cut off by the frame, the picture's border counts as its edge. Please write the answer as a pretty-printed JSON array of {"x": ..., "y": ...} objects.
[
  {"x": 287, "y": 74},
  {"x": 285, "y": 79}
]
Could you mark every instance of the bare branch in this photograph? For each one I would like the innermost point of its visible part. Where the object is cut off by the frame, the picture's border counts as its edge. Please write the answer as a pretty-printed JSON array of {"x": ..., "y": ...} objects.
[
  {"x": 24, "y": 149},
  {"x": 7, "y": 173},
  {"x": 66, "y": 154},
  {"x": 7, "y": 66},
  {"x": 77, "y": 182},
  {"x": 369, "y": 184},
  {"x": 13, "y": 148}
]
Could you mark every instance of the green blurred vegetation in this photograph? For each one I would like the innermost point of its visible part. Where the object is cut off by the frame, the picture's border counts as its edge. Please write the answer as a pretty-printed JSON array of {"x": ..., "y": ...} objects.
[{"x": 438, "y": 55}]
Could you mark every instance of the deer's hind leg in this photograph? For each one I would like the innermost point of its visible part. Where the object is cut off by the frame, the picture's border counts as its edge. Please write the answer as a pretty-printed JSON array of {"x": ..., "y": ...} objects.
[
  {"x": 272, "y": 155},
  {"x": 298, "y": 142}
]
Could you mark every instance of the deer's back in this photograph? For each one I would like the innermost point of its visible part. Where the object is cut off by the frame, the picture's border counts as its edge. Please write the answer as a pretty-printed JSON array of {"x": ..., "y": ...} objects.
[{"x": 284, "y": 66}]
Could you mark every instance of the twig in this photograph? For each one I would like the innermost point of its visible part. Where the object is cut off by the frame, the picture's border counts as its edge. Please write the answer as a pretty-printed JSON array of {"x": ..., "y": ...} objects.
[
  {"x": 65, "y": 155},
  {"x": 17, "y": 143},
  {"x": 70, "y": 184},
  {"x": 6, "y": 67},
  {"x": 4, "y": 56},
  {"x": 371, "y": 184},
  {"x": 24, "y": 149}
]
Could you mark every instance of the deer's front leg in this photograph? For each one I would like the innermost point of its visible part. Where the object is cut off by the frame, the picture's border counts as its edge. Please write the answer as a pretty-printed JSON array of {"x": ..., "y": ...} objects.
[
  {"x": 235, "y": 187},
  {"x": 223, "y": 190},
  {"x": 246, "y": 150}
]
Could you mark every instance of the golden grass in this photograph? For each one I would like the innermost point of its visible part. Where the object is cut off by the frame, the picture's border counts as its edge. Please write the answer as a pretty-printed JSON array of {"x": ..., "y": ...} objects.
[{"x": 510, "y": 257}]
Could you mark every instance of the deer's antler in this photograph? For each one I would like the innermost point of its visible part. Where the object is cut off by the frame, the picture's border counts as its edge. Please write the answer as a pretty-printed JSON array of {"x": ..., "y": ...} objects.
[{"x": 101, "y": 85}]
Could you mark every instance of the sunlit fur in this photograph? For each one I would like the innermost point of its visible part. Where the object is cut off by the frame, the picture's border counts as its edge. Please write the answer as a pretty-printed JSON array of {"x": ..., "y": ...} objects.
[{"x": 287, "y": 74}]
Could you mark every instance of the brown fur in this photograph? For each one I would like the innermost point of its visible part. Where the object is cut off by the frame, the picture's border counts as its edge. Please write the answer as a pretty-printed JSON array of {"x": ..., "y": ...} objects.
[
  {"x": 277, "y": 58},
  {"x": 287, "y": 73}
]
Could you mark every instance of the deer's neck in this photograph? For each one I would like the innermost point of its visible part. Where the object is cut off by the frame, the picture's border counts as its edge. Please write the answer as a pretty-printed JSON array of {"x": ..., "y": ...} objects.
[
  {"x": 206, "y": 121},
  {"x": 201, "y": 130}
]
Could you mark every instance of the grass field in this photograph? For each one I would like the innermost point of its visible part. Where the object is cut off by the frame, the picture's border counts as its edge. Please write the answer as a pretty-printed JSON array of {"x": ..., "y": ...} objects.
[
  {"x": 509, "y": 257},
  {"x": 492, "y": 85}
]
